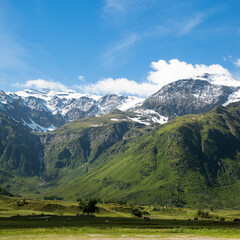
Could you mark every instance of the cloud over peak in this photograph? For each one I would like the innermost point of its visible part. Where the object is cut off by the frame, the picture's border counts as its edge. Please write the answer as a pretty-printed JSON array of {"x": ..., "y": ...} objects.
[
  {"x": 164, "y": 72},
  {"x": 119, "y": 86},
  {"x": 41, "y": 84}
]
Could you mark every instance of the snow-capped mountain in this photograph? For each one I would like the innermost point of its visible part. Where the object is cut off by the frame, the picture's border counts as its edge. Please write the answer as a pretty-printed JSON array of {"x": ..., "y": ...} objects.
[
  {"x": 45, "y": 110},
  {"x": 191, "y": 96}
]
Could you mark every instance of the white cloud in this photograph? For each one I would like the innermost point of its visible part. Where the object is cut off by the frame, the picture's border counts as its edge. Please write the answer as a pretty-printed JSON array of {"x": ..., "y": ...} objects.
[
  {"x": 163, "y": 73},
  {"x": 237, "y": 63},
  {"x": 119, "y": 86},
  {"x": 41, "y": 84},
  {"x": 167, "y": 72}
]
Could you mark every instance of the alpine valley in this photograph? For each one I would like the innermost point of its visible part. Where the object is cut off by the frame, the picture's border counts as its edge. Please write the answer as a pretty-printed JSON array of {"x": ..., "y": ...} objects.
[{"x": 180, "y": 146}]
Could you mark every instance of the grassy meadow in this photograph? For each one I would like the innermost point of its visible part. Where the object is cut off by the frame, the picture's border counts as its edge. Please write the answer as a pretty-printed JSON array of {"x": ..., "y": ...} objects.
[{"x": 46, "y": 219}]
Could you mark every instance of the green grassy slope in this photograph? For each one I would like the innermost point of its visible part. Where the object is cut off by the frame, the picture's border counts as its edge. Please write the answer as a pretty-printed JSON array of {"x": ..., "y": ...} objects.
[{"x": 191, "y": 160}]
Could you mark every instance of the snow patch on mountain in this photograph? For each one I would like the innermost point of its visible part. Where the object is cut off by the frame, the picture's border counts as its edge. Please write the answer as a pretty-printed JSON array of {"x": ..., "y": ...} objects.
[
  {"x": 146, "y": 116},
  {"x": 219, "y": 79},
  {"x": 151, "y": 115},
  {"x": 235, "y": 97},
  {"x": 36, "y": 127},
  {"x": 138, "y": 119},
  {"x": 116, "y": 120},
  {"x": 130, "y": 102}
]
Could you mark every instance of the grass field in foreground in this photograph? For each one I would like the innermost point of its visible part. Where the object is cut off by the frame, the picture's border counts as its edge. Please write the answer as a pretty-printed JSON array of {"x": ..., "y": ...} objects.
[{"x": 36, "y": 227}]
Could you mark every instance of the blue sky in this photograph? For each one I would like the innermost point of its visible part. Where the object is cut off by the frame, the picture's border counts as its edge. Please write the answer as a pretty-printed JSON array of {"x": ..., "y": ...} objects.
[{"x": 124, "y": 46}]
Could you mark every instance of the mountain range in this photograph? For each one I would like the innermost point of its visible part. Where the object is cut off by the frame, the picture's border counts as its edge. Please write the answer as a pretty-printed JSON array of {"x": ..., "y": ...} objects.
[
  {"x": 45, "y": 110},
  {"x": 180, "y": 146}
]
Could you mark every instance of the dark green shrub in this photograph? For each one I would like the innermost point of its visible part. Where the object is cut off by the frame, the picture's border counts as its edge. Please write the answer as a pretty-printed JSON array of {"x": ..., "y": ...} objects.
[
  {"x": 137, "y": 212},
  {"x": 90, "y": 207}
]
